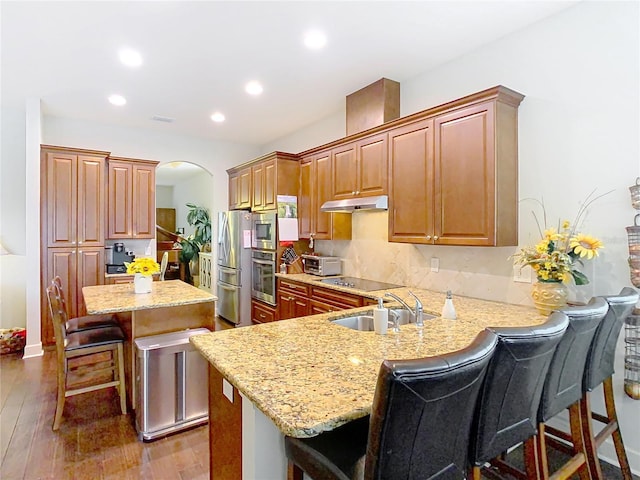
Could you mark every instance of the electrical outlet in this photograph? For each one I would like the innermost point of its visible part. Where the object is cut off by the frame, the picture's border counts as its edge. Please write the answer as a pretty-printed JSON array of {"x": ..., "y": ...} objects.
[
  {"x": 435, "y": 264},
  {"x": 522, "y": 274}
]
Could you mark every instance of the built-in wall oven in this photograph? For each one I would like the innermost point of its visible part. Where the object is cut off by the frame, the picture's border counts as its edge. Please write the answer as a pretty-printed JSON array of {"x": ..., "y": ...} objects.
[
  {"x": 263, "y": 275},
  {"x": 264, "y": 228}
]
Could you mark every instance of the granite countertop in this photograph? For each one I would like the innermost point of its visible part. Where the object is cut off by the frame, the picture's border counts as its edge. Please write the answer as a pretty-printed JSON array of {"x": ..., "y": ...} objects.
[
  {"x": 121, "y": 298},
  {"x": 309, "y": 375}
]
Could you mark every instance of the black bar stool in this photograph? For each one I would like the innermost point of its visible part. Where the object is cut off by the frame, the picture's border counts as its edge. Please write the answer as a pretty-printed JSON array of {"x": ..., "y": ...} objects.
[
  {"x": 563, "y": 385},
  {"x": 507, "y": 409},
  {"x": 419, "y": 426}
]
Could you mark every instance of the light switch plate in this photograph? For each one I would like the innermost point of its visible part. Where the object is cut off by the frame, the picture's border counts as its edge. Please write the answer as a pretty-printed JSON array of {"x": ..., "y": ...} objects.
[
  {"x": 227, "y": 390},
  {"x": 435, "y": 264}
]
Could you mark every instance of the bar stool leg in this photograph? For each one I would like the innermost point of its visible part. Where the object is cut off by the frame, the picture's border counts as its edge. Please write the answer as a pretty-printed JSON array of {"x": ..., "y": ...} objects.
[
  {"x": 610, "y": 405},
  {"x": 575, "y": 421},
  {"x": 293, "y": 471},
  {"x": 62, "y": 381},
  {"x": 541, "y": 453},
  {"x": 531, "y": 459},
  {"x": 121, "y": 385}
]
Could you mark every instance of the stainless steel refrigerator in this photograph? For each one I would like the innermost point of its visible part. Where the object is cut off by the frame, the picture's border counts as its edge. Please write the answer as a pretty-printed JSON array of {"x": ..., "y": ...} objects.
[{"x": 234, "y": 266}]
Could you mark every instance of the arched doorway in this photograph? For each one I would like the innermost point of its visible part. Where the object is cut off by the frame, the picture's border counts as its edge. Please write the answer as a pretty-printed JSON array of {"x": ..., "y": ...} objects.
[{"x": 179, "y": 184}]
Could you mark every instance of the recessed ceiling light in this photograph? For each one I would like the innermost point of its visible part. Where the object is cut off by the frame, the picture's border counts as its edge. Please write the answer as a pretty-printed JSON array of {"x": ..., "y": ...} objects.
[
  {"x": 253, "y": 88},
  {"x": 217, "y": 117},
  {"x": 117, "y": 100},
  {"x": 130, "y": 58},
  {"x": 315, "y": 39}
]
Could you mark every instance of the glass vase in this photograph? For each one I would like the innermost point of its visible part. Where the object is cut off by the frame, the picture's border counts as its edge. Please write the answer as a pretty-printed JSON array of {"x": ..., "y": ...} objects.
[{"x": 549, "y": 296}]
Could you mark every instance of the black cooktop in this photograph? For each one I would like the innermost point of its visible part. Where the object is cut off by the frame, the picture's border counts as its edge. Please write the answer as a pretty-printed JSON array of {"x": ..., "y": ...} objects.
[{"x": 359, "y": 283}]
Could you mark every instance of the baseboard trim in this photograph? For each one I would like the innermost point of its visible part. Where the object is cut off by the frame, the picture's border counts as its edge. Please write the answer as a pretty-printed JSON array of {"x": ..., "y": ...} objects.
[{"x": 34, "y": 350}]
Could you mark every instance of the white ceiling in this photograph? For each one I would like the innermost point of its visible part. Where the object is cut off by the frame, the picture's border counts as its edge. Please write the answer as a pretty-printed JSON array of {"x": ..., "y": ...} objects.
[{"x": 198, "y": 56}]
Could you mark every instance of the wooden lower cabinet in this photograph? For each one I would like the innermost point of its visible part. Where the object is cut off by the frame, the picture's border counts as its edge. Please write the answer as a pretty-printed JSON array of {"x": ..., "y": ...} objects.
[
  {"x": 262, "y": 313},
  {"x": 225, "y": 429},
  {"x": 300, "y": 299},
  {"x": 77, "y": 268}
]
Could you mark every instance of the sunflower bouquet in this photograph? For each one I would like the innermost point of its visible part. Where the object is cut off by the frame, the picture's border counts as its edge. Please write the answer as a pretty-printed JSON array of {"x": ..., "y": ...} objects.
[
  {"x": 145, "y": 266},
  {"x": 556, "y": 257}
]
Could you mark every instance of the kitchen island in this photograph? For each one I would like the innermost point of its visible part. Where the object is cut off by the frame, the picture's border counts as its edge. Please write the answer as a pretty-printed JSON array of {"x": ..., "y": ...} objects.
[
  {"x": 170, "y": 307},
  {"x": 303, "y": 376}
]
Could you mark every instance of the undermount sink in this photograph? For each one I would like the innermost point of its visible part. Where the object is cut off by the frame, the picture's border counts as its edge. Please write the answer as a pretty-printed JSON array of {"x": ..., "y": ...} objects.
[{"x": 364, "y": 321}]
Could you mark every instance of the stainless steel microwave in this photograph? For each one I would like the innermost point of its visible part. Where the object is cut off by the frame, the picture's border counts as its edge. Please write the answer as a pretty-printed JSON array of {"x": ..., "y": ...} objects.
[{"x": 264, "y": 228}]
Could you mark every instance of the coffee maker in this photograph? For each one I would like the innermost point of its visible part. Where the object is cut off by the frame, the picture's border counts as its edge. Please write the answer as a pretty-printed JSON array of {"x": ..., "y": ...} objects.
[{"x": 115, "y": 257}]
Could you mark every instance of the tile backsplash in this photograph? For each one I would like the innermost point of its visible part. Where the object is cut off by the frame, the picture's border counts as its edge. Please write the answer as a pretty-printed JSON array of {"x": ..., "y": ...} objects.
[{"x": 481, "y": 272}]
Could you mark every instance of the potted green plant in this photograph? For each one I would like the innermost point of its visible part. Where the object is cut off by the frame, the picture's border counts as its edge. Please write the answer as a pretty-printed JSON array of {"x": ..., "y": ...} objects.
[
  {"x": 199, "y": 218},
  {"x": 200, "y": 240}
]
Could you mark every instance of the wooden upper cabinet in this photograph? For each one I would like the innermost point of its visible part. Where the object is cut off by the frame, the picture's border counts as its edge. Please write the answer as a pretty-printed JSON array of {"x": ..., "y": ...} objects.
[
  {"x": 240, "y": 186},
  {"x": 316, "y": 185},
  {"x": 257, "y": 184},
  {"x": 144, "y": 200},
  {"x": 132, "y": 201},
  {"x": 360, "y": 168},
  {"x": 411, "y": 183},
  {"x": 75, "y": 202},
  {"x": 454, "y": 176},
  {"x": 465, "y": 177}
]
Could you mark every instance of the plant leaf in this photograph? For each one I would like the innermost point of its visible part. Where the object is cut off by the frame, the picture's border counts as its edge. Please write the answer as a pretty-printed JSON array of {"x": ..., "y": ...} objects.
[{"x": 579, "y": 277}]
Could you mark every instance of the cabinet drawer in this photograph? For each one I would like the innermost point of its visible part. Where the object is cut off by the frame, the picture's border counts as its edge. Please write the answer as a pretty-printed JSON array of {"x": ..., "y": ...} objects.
[
  {"x": 261, "y": 313},
  {"x": 336, "y": 298},
  {"x": 293, "y": 287},
  {"x": 321, "y": 307}
]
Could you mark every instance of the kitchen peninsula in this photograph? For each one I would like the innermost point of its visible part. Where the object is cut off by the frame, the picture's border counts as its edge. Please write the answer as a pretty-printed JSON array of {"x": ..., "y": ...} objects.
[
  {"x": 303, "y": 376},
  {"x": 171, "y": 306}
]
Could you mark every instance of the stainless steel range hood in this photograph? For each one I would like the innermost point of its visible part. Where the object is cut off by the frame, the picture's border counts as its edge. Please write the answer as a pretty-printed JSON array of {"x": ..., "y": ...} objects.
[{"x": 351, "y": 205}]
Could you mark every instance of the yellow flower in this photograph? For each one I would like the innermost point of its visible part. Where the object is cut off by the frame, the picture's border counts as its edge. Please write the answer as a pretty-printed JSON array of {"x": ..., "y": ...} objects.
[
  {"x": 145, "y": 266},
  {"x": 585, "y": 245},
  {"x": 565, "y": 225}
]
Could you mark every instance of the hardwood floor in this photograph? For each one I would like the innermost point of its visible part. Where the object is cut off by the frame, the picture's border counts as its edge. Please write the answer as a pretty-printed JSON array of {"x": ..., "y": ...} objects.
[{"x": 95, "y": 441}]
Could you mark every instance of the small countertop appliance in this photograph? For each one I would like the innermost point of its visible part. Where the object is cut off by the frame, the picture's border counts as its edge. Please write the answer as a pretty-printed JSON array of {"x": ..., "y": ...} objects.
[
  {"x": 322, "y": 266},
  {"x": 115, "y": 256}
]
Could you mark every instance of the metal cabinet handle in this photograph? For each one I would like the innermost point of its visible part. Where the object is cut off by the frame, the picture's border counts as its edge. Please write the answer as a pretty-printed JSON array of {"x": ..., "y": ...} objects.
[
  {"x": 262, "y": 315},
  {"x": 435, "y": 238},
  {"x": 428, "y": 237}
]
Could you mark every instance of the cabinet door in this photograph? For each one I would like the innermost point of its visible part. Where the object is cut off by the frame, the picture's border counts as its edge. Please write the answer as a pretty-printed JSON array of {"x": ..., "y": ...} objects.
[
  {"x": 286, "y": 307},
  {"x": 323, "y": 188},
  {"x": 91, "y": 201},
  {"x": 411, "y": 183},
  {"x": 257, "y": 203},
  {"x": 120, "y": 202},
  {"x": 63, "y": 263},
  {"x": 234, "y": 191},
  {"x": 269, "y": 191},
  {"x": 306, "y": 210},
  {"x": 62, "y": 190},
  {"x": 300, "y": 306},
  {"x": 90, "y": 271},
  {"x": 144, "y": 201},
  {"x": 244, "y": 188},
  {"x": 372, "y": 166},
  {"x": 345, "y": 172},
  {"x": 465, "y": 176},
  {"x": 261, "y": 313}
]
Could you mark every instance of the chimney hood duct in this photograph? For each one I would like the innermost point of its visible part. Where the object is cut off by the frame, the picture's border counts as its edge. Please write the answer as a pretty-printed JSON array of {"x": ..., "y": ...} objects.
[{"x": 351, "y": 205}]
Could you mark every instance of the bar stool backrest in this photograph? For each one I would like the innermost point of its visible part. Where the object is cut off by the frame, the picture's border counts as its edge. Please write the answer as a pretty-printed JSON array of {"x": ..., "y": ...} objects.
[
  {"x": 508, "y": 404},
  {"x": 563, "y": 385},
  {"x": 601, "y": 356},
  {"x": 422, "y": 413}
]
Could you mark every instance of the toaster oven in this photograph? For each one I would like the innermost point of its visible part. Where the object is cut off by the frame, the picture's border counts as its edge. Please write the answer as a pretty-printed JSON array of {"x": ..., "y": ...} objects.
[{"x": 322, "y": 266}]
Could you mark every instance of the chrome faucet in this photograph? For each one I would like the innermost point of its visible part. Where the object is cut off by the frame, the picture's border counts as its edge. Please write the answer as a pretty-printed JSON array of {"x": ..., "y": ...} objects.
[{"x": 417, "y": 312}]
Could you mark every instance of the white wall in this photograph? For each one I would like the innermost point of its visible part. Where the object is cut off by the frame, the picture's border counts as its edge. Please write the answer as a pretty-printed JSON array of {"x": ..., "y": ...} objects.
[
  {"x": 578, "y": 131},
  {"x": 164, "y": 196}
]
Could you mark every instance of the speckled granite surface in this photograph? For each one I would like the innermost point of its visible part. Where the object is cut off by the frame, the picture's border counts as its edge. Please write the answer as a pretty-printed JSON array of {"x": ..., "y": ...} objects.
[
  {"x": 121, "y": 298},
  {"x": 309, "y": 375}
]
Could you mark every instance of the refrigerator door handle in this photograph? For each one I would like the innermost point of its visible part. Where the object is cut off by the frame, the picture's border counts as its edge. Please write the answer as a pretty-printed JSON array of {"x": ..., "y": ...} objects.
[{"x": 226, "y": 287}]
